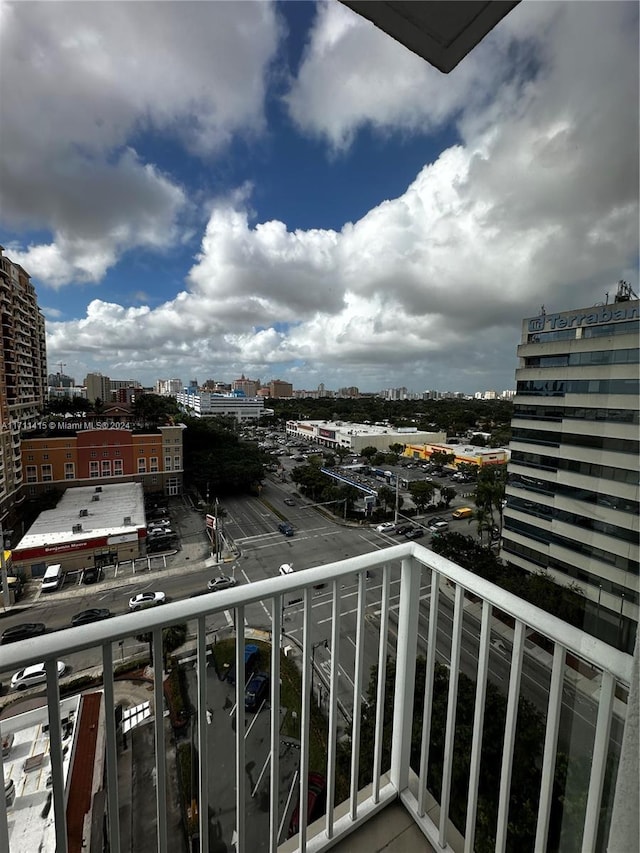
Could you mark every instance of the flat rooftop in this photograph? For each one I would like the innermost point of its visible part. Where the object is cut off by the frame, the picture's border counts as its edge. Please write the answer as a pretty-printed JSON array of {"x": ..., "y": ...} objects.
[
  {"x": 27, "y": 763},
  {"x": 104, "y": 517}
]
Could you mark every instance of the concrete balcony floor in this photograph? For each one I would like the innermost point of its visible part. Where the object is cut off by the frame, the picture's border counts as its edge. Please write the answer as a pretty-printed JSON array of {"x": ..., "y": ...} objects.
[{"x": 392, "y": 830}]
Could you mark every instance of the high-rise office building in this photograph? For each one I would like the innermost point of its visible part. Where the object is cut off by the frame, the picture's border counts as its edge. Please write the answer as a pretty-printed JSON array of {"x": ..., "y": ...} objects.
[
  {"x": 23, "y": 372},
  {"x": 572, "y": 493}
]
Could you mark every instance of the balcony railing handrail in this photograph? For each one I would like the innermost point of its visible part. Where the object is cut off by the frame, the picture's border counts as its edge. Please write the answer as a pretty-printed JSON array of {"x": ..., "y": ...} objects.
[{"x": 68, "y": 640}]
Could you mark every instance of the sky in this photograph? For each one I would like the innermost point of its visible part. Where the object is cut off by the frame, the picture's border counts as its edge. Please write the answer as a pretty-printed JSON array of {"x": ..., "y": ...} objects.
[{"x": 280, "y": 190}]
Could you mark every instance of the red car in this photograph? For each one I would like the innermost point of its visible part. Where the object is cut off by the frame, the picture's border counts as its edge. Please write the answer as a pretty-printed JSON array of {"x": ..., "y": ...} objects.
[{"x": 316, "y": 802}]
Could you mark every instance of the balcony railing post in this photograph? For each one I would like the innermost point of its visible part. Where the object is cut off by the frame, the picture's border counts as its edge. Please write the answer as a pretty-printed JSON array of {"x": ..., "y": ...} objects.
[{"x": 405, "y": 672}]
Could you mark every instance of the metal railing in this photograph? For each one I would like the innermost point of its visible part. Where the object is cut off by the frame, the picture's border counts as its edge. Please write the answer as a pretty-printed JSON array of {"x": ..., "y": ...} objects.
[{"x": 416, "y": 565}]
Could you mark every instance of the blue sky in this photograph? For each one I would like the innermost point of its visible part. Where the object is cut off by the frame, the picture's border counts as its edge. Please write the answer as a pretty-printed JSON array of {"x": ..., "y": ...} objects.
[{"x": 208, "y": 189}]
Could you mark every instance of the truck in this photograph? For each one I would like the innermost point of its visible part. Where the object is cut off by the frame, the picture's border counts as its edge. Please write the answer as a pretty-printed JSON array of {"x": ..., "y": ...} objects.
[{"x": 52, "y": 578}]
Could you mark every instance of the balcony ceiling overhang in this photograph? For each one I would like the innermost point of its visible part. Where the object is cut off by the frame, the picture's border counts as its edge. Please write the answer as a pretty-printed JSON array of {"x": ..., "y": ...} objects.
[{"x": 441, "y": 31}]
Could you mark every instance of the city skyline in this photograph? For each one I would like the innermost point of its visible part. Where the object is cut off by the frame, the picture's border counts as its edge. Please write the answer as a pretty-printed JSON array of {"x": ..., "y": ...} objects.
[{"x": 390, "y": 232}]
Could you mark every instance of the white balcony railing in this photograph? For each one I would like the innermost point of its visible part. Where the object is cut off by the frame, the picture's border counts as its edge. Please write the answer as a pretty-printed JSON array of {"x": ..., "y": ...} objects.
[{"x": 415, "y": 569}]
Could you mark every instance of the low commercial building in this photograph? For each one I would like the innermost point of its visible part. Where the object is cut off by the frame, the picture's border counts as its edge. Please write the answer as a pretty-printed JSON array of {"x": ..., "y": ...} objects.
[
  {"x": 355, "y": 437},
  {"x": 92, "y": 526},
  {"x": 463, "y": 453}
]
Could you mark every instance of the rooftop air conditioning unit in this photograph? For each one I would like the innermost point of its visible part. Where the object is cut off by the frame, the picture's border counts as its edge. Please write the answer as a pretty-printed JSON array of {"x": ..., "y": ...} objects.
[
  {"x": 95, "y": 497},
  {"x": 83, "y": 513},
  {"x": 127, "y": 521},
  {"x": 77, "y": 528}
]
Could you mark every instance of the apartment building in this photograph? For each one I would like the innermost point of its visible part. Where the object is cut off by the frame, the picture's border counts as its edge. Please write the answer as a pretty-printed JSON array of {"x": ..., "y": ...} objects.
[
  {"x": 573, "y": 496},
  {"x": 98, "y": 387},
  {"x": 169, "y": 387},
  {"x": 23, "y": 372},
  {"x": 87, "y": 455}
]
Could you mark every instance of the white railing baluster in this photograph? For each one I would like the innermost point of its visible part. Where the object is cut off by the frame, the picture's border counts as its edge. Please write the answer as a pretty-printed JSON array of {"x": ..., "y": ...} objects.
[
  {"x": 427, "y": 705},
  {"x": 161, "y": 759},
  {"x": 307, "y": 652},
  {"x": 554, "y": 707},
  {"x": 203, "y": 735},
  {"x": 407, "y": 645},
  {"x": 333, "y": 706},
  {"x": 452, "y": 703},
  {"x": 357, "y": 698},
  {"x": 478, "y": 727},
  {"x": 55, "y": 754},
  {"x": 599, "y": 763},
  {"x": 240, "y": 731},
  {"x": 382, "y": 678},
  {"x": 111, "y": 748},
  {"x": 276, "y": 636},
  {"x": 509, "y": 736}
]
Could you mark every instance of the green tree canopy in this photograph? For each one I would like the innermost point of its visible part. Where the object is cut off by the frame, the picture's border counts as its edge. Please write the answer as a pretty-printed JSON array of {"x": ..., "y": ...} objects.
[
  {"x": 217, "y": 461},
  {"x": 421, "y": 493}
]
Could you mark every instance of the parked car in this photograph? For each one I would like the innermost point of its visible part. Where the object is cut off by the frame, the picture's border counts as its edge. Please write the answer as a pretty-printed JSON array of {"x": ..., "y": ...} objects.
[
  {"x": 157, "y": 532},
  {"x": 316, "y": 802},
  {"x": 146, "y": 599},
  {"x": 256, "y": 692},
  {"x": 386, "y": 527},
  {"x": 286, "y": 528},
  {"x": 439, "y": 527},
  {"x": 91, "y": 575},
  {"x": 289, "y": 501},
  {"x": 93, "y": 614},
  {"x": 22, "y": 632},
  {"x": 402, "y": 528},
  {"x": 160, "y": 522},
  {"x": 414, "y": 533},
  {"x": 222, "y": 582},
  {"x": 251, "y": 657},
  {"x": 31, "y": 675},
  {"x": 436, "y": 520}
]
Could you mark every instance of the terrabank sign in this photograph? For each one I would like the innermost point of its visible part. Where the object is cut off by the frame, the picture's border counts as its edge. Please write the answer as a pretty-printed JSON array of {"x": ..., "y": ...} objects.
[{"x": 546, "y": 322}]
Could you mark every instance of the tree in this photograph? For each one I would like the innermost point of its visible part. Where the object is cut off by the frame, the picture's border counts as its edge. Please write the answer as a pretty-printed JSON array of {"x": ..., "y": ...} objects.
[
  {"x": 341, "y": 452},
  {"x": 421, "y": 493},
  {"x": 369, "y": 452},
  {"x": 489, "y": 494},
  {"x": 447, "y": 494},
  {"x": 387, "y": 497},
  {"x": 439, "y": 458},
  {"x": 217, "y": 461},
  {"x": 172, "y": 638},
  {"x": 154, "y": 409}
]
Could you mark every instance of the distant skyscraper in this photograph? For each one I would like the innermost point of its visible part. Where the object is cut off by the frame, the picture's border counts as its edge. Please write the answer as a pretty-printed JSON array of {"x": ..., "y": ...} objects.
[
  {"x": 573, "y": 494},
  {"x": 23, "y": 372}
]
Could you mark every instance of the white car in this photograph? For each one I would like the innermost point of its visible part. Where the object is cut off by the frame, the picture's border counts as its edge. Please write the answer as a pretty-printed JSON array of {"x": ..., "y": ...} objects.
[
  {"x": 439, "y": 527},
  {"x": 386, "y": 527},
  {"x": 286, "y": 569},
  {"x": 34, "y": 674},
  {"x": 146, "y": 599}
]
